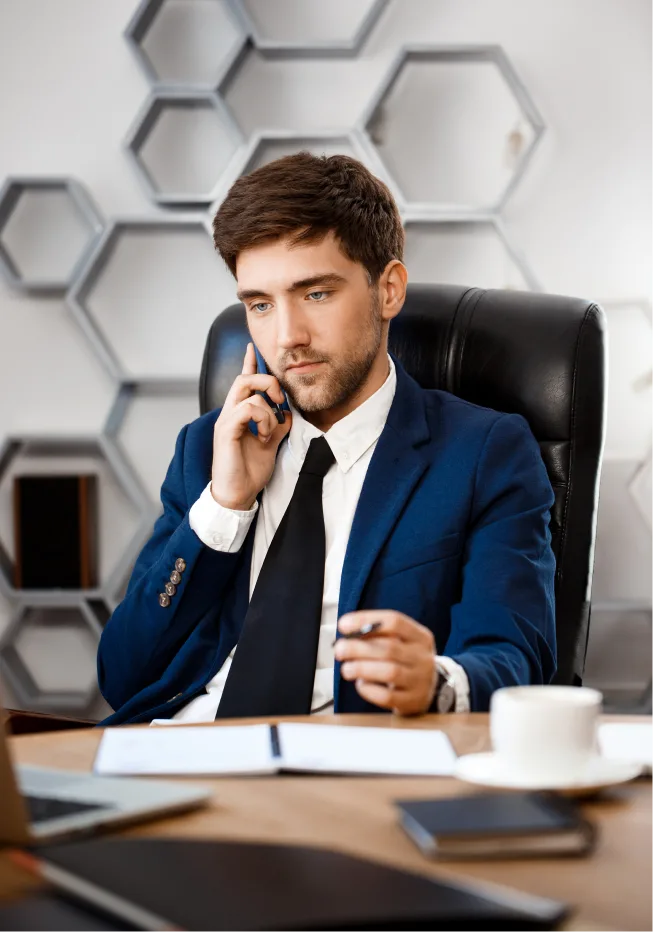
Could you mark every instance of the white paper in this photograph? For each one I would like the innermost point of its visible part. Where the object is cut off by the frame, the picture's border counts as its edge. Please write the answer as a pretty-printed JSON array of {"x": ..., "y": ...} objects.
[
  {"x": 354, "y": 749},
  {"x": 631, "y": 741},
  {"x": 213, "y": 751}
]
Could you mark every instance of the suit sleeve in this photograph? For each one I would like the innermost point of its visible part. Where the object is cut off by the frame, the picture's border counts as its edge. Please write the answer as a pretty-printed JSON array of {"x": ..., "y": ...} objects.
[
  {"x": 503, "y": 628},
  {"x": 143, "y": 636}
]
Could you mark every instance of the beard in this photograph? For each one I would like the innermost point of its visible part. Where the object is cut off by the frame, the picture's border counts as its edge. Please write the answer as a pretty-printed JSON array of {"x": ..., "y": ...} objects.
[{"x": 346, "y": 375}]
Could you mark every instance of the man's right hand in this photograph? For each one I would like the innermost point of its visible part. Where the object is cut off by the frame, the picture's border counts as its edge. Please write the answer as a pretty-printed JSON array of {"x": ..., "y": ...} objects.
[{"x": 242, "y": 463}]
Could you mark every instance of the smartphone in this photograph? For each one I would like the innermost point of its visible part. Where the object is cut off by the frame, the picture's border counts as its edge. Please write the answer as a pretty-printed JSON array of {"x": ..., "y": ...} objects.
[{"x": 262, "y": 369}]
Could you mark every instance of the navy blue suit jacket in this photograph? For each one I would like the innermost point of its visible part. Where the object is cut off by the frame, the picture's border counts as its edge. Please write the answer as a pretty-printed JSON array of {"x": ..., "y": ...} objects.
[{"x": 451, "y": 528}]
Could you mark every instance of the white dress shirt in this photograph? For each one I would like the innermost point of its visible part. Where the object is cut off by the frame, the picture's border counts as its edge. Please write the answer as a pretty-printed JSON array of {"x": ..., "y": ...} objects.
[{"x": 352, "y": 440}]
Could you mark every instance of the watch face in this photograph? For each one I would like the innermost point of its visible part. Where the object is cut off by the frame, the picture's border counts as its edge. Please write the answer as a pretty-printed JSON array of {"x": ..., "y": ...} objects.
[{"x": 447, "y": 698}]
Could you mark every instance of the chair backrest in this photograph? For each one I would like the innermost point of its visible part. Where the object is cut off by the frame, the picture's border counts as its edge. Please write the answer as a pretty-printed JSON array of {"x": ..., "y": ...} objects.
[{"x": 539, "y": 355}]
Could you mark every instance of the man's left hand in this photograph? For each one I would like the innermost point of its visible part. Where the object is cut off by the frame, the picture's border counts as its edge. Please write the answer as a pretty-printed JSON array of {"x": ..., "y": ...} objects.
[{"x": 394, "y": 667}]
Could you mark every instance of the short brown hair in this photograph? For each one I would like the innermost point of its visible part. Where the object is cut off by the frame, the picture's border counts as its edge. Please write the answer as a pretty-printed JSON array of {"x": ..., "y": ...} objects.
[{"x": 306, "y": 196}]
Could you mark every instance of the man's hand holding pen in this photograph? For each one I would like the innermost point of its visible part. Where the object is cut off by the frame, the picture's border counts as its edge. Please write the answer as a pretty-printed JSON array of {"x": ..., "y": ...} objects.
[{"x": 390, "y": 657}]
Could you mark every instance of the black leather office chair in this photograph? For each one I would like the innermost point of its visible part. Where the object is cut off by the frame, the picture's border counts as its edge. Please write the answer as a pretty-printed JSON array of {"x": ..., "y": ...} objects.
[{"x": 538, "y": 355}]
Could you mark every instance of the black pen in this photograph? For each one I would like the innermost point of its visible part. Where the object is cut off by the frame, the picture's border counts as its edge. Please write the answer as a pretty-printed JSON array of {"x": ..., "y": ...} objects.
[{"x": 369, "y": 628}]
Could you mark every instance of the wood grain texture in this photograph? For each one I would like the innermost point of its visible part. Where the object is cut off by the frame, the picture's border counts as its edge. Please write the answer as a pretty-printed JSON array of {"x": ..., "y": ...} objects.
[{"x": 610, "y": 889}]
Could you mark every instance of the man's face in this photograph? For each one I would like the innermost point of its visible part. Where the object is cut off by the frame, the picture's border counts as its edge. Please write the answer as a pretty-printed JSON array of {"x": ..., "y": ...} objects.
[{"x": 314, "y": 317}]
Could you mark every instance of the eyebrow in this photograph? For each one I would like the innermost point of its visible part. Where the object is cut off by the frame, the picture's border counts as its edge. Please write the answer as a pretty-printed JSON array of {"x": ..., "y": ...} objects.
[{"x": 330, "y": 278}]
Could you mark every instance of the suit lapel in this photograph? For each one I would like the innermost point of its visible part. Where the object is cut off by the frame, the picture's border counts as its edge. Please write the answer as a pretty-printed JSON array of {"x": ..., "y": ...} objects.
[{"x": 395, "y": 469}]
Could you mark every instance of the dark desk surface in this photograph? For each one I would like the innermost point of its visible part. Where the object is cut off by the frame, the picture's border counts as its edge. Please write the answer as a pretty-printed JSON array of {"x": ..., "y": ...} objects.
[{"x": 610, "y": 889}]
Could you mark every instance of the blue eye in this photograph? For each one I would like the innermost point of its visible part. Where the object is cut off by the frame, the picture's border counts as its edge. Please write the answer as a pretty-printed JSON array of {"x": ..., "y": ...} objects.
[
  {"x": 260, "y": 307},
  {"x": 318, "y": 295}
]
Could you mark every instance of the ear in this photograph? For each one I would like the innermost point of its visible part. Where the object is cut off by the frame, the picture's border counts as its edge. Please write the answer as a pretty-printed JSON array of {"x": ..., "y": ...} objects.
[{"x": 392, "y": 288}]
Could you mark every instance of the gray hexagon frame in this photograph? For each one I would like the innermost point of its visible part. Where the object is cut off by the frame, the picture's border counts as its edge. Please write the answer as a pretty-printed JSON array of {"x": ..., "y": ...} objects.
[
  {"x": 131, "y": 486},
  {"x": 141, "y": 22},
  {"x": 463, "y": 53},
  {"x": 17, "y": 674},
  {"x": 639, "y": 478},
  {"x": 300, "y": 49},
  {"x": 10, "y": 193},
  {"x": 145, "y": 122},
  {"x": 145, "y": 388},
  {"x": 246, "y": 156},
  {"x": 481, "y": 219},
  {"x": 91, "y": 272},
  {"x": 642, "y": 704}
]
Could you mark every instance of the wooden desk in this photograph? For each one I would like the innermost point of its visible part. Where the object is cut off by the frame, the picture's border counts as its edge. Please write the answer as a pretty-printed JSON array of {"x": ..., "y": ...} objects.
[{"x": 610, "y": 889}]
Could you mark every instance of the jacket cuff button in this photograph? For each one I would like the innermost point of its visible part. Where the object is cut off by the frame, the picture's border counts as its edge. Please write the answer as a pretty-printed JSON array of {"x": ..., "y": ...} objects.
[
  {"x": 180, "y": 565},
  {"x": 164, "y": 599}
]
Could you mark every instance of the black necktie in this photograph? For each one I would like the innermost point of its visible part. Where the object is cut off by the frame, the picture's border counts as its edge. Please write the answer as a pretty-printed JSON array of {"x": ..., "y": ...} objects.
[{"x": 273, "y": 669}]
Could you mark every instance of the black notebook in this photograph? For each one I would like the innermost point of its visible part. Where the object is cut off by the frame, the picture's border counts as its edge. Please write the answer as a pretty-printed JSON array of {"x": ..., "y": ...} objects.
[
  {"x": 164, "y": 884},
  {"x": 496, "y": 825}
]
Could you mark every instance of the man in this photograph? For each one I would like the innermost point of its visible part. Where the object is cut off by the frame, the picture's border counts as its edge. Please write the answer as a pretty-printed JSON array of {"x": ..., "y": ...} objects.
[{"x": 384, "y": 548}]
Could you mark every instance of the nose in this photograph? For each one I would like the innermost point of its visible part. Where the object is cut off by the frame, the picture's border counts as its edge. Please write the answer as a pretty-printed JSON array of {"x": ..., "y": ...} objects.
[{"x": 292, "y": 330}]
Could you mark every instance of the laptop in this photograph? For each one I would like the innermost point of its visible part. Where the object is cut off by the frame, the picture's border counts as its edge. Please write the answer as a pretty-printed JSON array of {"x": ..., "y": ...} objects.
[{"x": 39, "y": 804}]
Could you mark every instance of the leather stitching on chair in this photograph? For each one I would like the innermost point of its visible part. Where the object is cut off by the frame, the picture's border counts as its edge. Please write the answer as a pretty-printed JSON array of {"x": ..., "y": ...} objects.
[
  {"x": 572, "y": 443},
  {"x": 459, "y": 326},
  {"x": 582, "y": 330},
  {"x": 446, "y": 347}
]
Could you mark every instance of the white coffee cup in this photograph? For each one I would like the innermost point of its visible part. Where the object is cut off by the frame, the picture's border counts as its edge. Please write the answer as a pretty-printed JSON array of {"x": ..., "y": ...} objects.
[{"x": 545, "y": 734}]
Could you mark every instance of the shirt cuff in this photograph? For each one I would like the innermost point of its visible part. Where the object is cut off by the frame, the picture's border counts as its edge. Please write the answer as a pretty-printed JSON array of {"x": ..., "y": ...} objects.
[
  {"x": 460, "y": 682},
  {"x": 218, "y": 527}
]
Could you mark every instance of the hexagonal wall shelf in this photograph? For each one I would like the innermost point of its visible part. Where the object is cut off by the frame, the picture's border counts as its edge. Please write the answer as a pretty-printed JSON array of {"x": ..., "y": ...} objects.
[
  {"x": 193, "y": 43},
  {"x": 104, "y": 450},
  {"x": 47, "y": 228},
  {"x": 640, "y": 490},
  {"x": 148, "y": 295},
  {"x": 425, "y": 93},
  {"x": 628, "y": 428},
  {"x": 622, "y": 564},
  {"x": 144, "y": 422},
  {"x": 267, "y": 145},
  {"x": 35, "y": 636},
  {"x": 310, "y": 27},
  {"x": 475, "y": 250},
  {"x": 619, "y": 654},
  {"x": 180, "y": 145}
]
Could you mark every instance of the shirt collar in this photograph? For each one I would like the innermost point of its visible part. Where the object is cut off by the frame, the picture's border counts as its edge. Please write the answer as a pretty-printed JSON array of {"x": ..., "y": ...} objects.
[{"x": 351, "y": 436}]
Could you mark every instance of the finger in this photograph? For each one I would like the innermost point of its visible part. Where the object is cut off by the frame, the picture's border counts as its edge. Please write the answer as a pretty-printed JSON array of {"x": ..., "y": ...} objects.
[
  {"x": 273, "y": 430},
  {"x": 249, "y": 362},
  {"x": 378, "y": 671},
  {"x": 263, "y": 416},
  {"x": 399, "y": 701},
  {"x": 408, "y": 630},
  {"x": 392, "y": 623},
  {"x": 376, "y": 694},
  {"x": 280, "y": 430},
  {"x": 354, "y": 621},
  {"x": 255, "y": 409},
  {"x": 246, "y": 384},
  {"x": 373, "y": 648}
]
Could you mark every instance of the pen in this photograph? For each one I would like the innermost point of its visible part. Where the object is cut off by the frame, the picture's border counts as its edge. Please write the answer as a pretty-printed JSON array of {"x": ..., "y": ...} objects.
[{"x": 369, "y": 628}]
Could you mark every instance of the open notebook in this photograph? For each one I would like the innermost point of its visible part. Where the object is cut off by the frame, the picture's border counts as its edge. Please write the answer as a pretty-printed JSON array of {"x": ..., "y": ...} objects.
[{"x": 265, "y": 749}]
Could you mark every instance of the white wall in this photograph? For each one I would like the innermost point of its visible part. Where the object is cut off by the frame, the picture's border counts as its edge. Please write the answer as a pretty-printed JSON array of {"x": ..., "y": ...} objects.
[{"x": 71, "y": 89}]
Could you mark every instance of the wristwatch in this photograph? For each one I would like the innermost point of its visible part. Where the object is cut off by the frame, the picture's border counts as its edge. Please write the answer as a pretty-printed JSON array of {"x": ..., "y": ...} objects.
[{"x": 444, "y": 699}]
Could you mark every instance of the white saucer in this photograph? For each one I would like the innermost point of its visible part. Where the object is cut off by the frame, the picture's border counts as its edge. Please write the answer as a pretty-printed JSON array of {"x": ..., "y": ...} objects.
[{"x": 490, "y": 770}]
